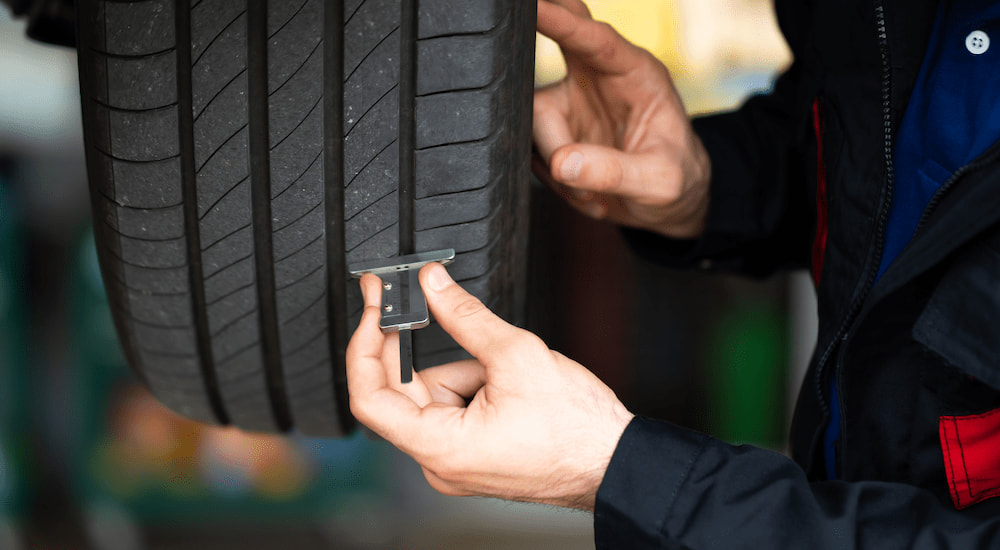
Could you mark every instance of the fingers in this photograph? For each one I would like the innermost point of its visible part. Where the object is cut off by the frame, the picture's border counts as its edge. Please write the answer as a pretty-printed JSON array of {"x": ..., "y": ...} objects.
[
  {"x": 550, "y": 127},
  {"x": 645, "y": 177},
  {"x": 373, "y": 400},
  {"x": 455, "y": 383},
  {"x": 585, "y": 40},
  {"x": 465, "y": 318}
]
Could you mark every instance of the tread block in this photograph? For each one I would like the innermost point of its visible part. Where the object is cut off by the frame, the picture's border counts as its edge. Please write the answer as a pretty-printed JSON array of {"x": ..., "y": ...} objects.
[
  {"x": 163, "y": 223},
  {"x": 459, "y": 167},
  {"x": 236, "y": 275},
  {"x": 222, "y": 127},
  {"x": 143, "y": 136},
  {"x": 219, "y": 258},
  {"x": 372, "y": 220},
  {"x": 463, "y": 237},
  {"x": 368, "y": 25},
  {"x": 295, "y": 45},
  {"x": 298, "y": 271},
  {"x": 142, "y": 83},
  {"x": 210, "y": 20},
  {"x": 161, "y": 281},
  {"x": 223, "y": 60},
  {"x": 139, "y": 28},
  {"x": 456, "y": 208},
  {"x": 372, "y": 133},
  {"x": 228, "y": 215},
  {"x": 444, "y": 17},
  {"x": 159, "y": 310},
  {"x": 454, "y": 117},
  {"x": 375, "y": 180},
  {"x": 154, "y": 254},
  {"x": 371, "y": 80},
  {"x": 147, "y": 185},
  {"x": 457, "y": 63}
]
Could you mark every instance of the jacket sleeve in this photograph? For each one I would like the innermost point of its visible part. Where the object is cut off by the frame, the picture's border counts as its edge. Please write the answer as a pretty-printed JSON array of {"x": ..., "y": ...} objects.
[
  {"x": 760, "y": 217},
  {"x": 667, "y": 487}
]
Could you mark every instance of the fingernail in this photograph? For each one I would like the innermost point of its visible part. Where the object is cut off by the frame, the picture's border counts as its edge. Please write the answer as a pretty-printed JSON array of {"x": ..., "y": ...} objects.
[
  {"x": 572, "y": 166},
  {"x": 438, "y": 278},
  {"x": 580, "y": 194}
]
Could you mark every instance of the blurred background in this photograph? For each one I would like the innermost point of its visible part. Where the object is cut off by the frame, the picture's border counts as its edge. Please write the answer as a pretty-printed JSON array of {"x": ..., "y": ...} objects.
[{"x": 89, "y": 460}]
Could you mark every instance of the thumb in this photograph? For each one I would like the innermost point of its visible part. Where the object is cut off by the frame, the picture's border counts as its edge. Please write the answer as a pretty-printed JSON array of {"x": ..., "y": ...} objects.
[
  {"x": 477, "y": 329},
  {"x": 601, "y": 169}
]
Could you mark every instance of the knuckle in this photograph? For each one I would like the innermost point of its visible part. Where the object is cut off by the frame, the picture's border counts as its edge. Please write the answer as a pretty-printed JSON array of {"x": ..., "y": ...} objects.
[{"x": 469, "y": 307}]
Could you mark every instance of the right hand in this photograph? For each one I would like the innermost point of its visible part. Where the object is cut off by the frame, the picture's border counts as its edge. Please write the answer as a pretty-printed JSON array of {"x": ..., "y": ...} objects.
[{"x": 617, "y": 140}]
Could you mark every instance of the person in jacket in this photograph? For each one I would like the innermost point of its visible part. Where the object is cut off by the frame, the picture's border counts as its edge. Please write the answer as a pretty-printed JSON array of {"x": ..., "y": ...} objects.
[{"x": 875, "y": 163}]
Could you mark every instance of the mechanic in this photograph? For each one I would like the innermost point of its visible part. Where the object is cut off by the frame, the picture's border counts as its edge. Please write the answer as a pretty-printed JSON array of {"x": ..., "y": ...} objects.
[{"x": 875, "y": 162}]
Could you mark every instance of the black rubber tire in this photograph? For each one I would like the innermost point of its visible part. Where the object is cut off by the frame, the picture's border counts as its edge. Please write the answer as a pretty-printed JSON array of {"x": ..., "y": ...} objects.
[{"x": 228, "y": 201}]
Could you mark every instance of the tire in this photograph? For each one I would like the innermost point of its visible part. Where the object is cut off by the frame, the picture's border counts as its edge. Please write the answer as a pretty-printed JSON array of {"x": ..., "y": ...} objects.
[{"x": 241, "y": 153}]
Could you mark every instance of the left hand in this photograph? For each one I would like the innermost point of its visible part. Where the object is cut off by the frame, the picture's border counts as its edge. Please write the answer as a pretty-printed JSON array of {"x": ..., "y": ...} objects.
[{"x": 538, "y": 427}]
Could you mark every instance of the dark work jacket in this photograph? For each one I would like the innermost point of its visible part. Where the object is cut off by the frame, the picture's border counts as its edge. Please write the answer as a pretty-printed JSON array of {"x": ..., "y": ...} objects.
[{"x": 802, "y": 177}]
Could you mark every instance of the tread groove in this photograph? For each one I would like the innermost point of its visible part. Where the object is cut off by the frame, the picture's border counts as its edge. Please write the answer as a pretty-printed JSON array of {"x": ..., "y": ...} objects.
[
  {"x": 196, "y": 275},
  {"x": 260, "y": 193},
  {"x": 333, "y": 178},
  {"x": 406, "y": 221}
]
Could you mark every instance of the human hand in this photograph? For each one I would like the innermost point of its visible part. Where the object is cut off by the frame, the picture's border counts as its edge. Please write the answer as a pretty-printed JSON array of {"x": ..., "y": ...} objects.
[
  {"x": 538, "y": 427},
  {"x": 614, "y": 132}
]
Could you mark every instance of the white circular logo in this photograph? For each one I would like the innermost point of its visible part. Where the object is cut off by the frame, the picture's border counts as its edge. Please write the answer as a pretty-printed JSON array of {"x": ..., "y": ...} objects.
[{"x": 977, "y": 42}]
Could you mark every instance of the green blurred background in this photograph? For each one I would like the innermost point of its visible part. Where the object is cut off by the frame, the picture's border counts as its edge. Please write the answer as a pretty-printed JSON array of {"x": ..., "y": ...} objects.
[{"x": 89, "y": 460}]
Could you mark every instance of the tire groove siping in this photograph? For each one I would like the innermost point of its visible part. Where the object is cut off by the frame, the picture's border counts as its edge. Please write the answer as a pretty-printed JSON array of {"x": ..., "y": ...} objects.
[
  {"x": 306, "y": 343},
  {"x": 132, "y": 111},
  {"x": 150, "y": 161},
  {"x": 370, "y": 52},
  {"x": 220, "y": 147},
  {"x": 231, "y": 322},
  {"x": 371, "y": 205},
  {"x": 299, "y": 125},
  {"x": 300, "y": 176},
  {"x": 226, "y": 236},
  {"x": 216, "y": 37},
  {"x": 300, "y": 249},
  {"x": 133, "y": 55},
  {"x": 229, "y": 266},
  {"x": 121, "y": 233},
  {"x": 230, "y": 293},
  {"x": 298, "y": 314},
  {"x": 370, "y": 109},
  {"x": 290, "y": 19},
  {"x": 137, "y": 208},
  {"x": 311, "y": 272},
  {"x": 298, "y": 218},
  {"x": 237, "y": 353},
  {"x": 297, "y": 69},
  {"x": 133, "y": 264},
  {"x": 224, "y": 195},
  {"x": 370, "y": 237},
  {"x": 370, "y": 161},
  {"x": 355, "y": 12},
  {"x": 218, "y": 93}
]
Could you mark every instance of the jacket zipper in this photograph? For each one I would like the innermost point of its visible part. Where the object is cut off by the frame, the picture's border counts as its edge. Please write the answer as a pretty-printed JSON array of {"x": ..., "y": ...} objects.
[
  {"x": 884, "y": 207},
  {"x": 940, "y": 193}
]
